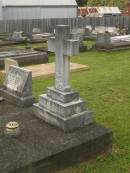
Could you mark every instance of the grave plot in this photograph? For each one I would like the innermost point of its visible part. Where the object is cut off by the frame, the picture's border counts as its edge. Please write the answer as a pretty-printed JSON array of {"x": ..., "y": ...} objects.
[
  {"x": 24, "y": 56},
  {"x": 21, "y": 37},
  {"x": 68, "y": 134},
  {"x": 92, "y": 33},
  {"x": 106, "y": 42}
]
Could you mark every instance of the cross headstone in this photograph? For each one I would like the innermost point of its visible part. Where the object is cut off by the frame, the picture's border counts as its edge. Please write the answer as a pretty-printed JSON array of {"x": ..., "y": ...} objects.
[
  {"x": 61, "y": 106},
  {"x": 64, "y": 48}
]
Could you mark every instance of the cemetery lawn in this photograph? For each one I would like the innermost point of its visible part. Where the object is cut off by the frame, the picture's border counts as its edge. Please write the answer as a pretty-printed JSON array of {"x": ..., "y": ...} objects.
[{"x": 106, "y": 88}]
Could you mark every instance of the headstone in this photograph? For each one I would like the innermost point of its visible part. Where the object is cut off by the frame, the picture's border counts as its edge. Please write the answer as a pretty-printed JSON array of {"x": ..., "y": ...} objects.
[
  {"x": 92, "y": 34},
  {"x": 18, "y": 86},
  {"x": 36, "y": 31},
  {"x": 17, "y": 36},
  {"x": 78, "y": 34},
  {"x": 1, "y": 99},
  {"x": 61, "y": 106},
  {"x": 106, "y": 41},
  {"x": 39, "y": 37},
  {"x": 24, "y": 56},
  {"x": 8, "y": 62}
]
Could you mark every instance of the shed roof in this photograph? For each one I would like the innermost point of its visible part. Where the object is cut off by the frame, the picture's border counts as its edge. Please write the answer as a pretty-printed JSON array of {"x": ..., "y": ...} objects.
[
  {"x": 39, "y": 3},
  {"x": 98, "y": 11},
  {"x": 108, "y": 10}
]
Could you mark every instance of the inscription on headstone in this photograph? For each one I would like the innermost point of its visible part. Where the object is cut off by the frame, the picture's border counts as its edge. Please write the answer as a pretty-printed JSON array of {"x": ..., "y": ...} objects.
[
  {"x": 14, "y": 81},
  {"x": 18, "y": 80},
  {"x": 18, "y": 86}
]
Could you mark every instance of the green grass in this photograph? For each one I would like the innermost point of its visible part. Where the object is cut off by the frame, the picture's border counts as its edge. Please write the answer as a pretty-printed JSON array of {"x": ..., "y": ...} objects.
[{"x": 106, "y": 88}]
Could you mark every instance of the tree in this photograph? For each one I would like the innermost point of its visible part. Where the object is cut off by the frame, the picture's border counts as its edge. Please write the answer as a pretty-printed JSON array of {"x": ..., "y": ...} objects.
[
  {"x": 120, "y": 3},
  {"x": 81, "y": 2}
]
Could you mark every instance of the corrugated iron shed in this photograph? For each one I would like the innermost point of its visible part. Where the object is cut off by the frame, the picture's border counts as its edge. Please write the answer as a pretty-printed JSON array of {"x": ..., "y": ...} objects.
[
  {"x": 39, "y": 3},
  {"x": 37, "y": 9}
]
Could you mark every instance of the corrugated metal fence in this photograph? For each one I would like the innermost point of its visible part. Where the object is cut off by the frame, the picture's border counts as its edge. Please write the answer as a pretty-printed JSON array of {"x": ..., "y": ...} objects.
[{"x": 47, "y": 25}]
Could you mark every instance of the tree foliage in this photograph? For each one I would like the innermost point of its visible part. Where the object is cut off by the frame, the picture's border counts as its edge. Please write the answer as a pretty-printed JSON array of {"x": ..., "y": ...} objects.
[
  {"x": 120, "y": 3},
  {"x": 81, "y": 2}
]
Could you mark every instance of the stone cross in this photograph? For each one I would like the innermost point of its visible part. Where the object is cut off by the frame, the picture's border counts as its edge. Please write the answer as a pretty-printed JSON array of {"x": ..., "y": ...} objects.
[{"x": 64, "y": 48}]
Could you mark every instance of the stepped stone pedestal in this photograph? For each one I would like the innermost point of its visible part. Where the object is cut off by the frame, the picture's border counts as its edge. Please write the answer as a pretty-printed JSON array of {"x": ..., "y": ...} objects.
[{"x": 63, "y": 109}]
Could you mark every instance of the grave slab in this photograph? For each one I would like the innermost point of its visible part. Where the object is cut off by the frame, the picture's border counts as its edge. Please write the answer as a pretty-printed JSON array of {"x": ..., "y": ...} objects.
[
  {"x": 42, "y": 70},
  {"x": 24, "y": 57},
  {"x": 105, "y": 42},
  {"x": 44, "y": 148}
]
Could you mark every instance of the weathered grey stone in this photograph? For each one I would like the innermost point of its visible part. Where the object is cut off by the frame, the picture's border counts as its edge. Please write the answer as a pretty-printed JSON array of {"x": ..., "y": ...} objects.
[
  {"x": 24, "y": 57},
  {"x": 1, "y": 99},
  {"x": 17, "y": 36},
  {"x": 92, "y": 34},
  {"x": 65, "y": 123},
  {"x": 80, "y": 38},
  {"x": 36, "y": 31},
  {"x": 103, "y": 41},
  {"x": 63, "y": 97},
  {"x": 79, "y": 34},
  {"x": 106, "y": 41},
  {"x": 63, "y": 46},
  {"x": 18, "y": 86},
  {"x": 62, "y": 109},
  {"x": 61, "y": 106}
]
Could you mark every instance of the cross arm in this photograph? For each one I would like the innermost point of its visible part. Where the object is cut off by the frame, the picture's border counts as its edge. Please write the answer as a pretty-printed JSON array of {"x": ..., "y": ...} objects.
[
  {"x": 71, "y": 47},
  {"x": 51, "y": 44}
]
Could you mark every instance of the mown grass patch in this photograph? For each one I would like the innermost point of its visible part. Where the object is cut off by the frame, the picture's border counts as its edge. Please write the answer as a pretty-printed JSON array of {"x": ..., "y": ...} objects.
[{"x": 106, "y": 89}]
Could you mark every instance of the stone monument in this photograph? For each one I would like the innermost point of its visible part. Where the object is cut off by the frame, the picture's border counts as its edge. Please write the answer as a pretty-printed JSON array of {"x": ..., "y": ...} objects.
[
  {"x": 108, "y": 42},
  {"x": 61, "y": 106},
  {"x": 17, "y": 87},
  {"x": 79, "y": 34},
  {"x": 18, "y": 36}
]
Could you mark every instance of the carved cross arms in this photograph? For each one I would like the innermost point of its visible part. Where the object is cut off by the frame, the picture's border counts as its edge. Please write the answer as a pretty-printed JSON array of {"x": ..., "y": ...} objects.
[{"x": 70, "y": 46}]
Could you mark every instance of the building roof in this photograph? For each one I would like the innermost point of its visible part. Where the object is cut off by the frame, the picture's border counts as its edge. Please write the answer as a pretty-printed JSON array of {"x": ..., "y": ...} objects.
[
  {"x": 108, "y": 10},
  {"x": 39, "y": 3},
  {"x": 98, "y": 11}
]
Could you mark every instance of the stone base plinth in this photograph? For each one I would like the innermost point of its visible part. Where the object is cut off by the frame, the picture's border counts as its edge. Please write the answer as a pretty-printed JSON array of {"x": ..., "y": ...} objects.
[
  {"x": 17, "y": 100},
  {"x": 63, "y": 97},
  {"x": 64, "y": 123},
  {"x": 63, "y": 109}
]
